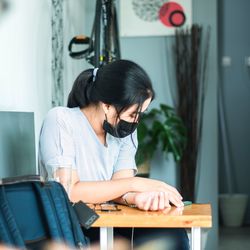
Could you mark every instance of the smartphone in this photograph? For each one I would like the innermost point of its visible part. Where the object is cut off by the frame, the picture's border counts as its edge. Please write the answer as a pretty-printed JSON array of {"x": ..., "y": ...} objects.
[{"x": 187, "y": 203}]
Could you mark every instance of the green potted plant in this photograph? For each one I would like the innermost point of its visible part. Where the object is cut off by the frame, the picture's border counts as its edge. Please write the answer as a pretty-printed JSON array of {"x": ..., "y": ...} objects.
[{"x": 160, "y": 129}]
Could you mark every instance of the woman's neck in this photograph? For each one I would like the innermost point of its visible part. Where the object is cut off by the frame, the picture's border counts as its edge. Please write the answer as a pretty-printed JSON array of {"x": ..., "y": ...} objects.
[{"x": 95, "y": 117}]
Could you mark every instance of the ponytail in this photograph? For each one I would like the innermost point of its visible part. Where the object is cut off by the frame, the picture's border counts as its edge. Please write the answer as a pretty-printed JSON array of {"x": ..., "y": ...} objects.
[{"x": 79, "y": 95}]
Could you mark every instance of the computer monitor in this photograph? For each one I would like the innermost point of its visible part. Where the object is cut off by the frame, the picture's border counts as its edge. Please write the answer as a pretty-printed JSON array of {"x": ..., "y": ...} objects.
[{"x": 17, "y": 144}]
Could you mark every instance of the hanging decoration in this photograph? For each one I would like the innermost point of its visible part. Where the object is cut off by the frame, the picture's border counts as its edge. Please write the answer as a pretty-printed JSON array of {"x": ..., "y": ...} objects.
[{"x": 154, "y": 17}]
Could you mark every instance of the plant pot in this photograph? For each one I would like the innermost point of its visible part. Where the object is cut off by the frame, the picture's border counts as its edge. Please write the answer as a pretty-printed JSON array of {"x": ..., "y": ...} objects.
[{"x": 232, "y": 209}]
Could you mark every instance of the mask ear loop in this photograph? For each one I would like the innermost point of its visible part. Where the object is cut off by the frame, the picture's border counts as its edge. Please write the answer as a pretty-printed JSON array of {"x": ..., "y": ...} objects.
[
  {"x": 117, "y": 121},
  {"x": 105, "y": 133},
  {"x": 140, "y": 114}
]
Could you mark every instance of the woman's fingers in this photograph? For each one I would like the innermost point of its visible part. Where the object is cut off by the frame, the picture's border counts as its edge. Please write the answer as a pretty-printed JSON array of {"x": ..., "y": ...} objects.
[
  {"x": 147, "y": 204},
  {"x": 166, "y": 199},
  {"x": 155, "y": 202},
  {"x": 176, "y": 201},
  {"x": 144, "y": 200},
  {"x": 174, "y": 191},
  {"x": 161, "y": 201},
  {"x": 174, "y": 196}
]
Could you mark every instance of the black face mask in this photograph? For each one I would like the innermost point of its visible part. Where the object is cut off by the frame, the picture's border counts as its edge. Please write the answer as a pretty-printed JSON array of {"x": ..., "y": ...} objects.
[{"x": 121, "y": 129}]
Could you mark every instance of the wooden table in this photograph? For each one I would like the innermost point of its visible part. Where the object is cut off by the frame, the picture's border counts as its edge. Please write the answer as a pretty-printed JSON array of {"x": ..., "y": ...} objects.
[{"x": 195, "y": 217}]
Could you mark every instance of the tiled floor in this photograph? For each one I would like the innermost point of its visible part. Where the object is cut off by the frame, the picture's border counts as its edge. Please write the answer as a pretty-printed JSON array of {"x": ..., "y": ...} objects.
[{"x": 234, "y": 238}]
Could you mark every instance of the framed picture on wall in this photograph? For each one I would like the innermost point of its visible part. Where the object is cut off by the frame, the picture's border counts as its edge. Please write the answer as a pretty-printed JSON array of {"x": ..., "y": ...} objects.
[{"x": 154, "y": 17}]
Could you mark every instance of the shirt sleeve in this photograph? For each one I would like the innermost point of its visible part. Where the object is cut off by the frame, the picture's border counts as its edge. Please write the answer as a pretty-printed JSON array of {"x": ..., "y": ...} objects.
[
  {"x": 56, "y": 143},
  {"x": 126, "y": 156}
]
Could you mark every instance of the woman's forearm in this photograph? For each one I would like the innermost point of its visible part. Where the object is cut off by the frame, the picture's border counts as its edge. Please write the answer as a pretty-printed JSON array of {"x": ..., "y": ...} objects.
[{"x": 100, "y": 191}]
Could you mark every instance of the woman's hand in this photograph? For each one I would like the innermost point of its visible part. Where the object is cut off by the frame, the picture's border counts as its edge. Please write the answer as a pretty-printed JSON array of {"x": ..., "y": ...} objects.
[
  {"x": 169, "y": 193},
  {"x": 151, "y": 201}
]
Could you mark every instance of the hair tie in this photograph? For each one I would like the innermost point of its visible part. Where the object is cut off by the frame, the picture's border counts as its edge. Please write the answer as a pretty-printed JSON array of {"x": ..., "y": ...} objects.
[{"x": 95, "y": 73}]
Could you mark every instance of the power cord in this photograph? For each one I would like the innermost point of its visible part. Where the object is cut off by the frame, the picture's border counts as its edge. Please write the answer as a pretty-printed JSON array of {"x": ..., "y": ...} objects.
[{"x": 132, "y": 238}]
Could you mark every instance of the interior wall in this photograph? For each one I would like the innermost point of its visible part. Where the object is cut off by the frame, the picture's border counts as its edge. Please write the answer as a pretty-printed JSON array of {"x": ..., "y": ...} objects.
[
  {"x": 205, "y": 13},
  {"x": 74, "y": 24},
  {"x": 234, "y": 41},
  {"x": 25, "y": 56}
]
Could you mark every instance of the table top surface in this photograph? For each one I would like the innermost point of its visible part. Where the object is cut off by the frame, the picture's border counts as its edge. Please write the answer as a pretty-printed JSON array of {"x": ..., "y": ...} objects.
[{"x": 195, "y": 215}]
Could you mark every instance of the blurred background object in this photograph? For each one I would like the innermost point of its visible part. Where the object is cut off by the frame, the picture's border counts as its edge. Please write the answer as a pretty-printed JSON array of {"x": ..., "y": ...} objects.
[
  {"x": 17, "y": 144},
  {"x": 3, "y": 6}
]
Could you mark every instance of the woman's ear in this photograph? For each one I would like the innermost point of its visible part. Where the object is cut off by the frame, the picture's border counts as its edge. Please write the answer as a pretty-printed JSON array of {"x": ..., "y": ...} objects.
[{"x": 105, "y": 107}]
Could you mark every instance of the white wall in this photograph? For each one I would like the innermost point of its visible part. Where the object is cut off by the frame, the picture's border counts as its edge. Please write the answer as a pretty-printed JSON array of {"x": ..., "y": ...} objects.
[
  {"x": 25, "y": 55},
  {"x": 74, "y": 24}
]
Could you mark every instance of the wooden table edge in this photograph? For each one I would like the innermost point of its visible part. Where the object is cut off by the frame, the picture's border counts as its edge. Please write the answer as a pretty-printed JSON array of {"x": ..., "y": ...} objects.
[{"x": 173, "y": 221}]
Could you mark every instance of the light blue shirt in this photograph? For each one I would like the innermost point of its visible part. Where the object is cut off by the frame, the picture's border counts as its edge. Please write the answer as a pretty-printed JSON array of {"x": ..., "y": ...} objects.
[{"x": 68, "y": 139}]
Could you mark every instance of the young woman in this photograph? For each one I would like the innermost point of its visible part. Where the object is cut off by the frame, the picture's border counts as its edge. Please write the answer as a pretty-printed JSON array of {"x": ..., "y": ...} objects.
[{"x": 96, "y": 136}]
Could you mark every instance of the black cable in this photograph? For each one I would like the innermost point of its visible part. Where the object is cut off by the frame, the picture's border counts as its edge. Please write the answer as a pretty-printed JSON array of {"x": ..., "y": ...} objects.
[{"x": 116, "y": 36}]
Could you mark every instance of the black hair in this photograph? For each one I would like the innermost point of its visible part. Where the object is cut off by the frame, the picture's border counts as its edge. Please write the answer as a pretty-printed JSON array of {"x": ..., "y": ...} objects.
[{"x": 121, "y": 83}]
